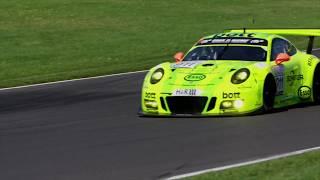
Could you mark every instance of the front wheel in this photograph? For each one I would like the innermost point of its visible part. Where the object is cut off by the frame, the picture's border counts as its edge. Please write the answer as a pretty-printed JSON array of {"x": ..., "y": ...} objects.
[{"x": 269, "y": 92}]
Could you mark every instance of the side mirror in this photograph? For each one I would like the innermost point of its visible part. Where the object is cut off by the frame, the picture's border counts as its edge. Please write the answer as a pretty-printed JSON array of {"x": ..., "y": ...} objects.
[
  {"x": 282, "y": 57},
  {"x": 178, "y": 56}
]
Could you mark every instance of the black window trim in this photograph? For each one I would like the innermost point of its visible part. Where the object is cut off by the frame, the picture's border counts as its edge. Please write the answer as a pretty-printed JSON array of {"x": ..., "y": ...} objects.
[{"x": 289, "y": 43}]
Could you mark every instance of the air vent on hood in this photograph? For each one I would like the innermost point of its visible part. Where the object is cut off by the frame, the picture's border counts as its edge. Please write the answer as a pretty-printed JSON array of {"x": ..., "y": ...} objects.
[
  {"x": 232, "y": 70},
  {"x": 205, "y": 65}
]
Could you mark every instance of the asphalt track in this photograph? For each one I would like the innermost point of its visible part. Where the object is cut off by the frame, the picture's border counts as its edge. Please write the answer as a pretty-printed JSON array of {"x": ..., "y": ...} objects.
[{"x": 89, "y": 130}]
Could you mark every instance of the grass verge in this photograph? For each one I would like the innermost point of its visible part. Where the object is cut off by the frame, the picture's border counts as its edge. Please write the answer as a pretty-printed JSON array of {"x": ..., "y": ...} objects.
[
  {"x": 53, "y": 40},
  {"x": 305, "y": 166}
]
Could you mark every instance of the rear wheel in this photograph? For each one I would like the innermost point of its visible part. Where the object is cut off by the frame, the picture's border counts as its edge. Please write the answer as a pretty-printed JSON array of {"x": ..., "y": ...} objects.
[
  {"x": 269, "y": 92},
  {"x": 316, "y": 85}
]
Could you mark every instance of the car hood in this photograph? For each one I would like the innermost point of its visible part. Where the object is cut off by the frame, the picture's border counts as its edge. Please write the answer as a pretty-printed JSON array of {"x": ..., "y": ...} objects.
[{"x": 204, "y": 72}]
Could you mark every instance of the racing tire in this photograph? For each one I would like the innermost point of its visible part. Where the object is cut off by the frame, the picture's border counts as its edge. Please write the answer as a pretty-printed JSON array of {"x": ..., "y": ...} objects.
[
  {"x": 316, "y": 85},
  {"x": 269, "y": 93}
]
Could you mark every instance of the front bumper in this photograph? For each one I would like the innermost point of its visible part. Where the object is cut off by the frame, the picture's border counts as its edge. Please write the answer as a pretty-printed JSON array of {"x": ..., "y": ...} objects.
[{"x": 212, "y": 102}]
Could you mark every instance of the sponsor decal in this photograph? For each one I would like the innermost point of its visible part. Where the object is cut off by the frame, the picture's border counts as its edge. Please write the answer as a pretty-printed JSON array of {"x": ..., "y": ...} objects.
[
  {"x": 248, "y": 41},
  {"x": 310, "y": 62},
  {"x": 279, "y": 77},
  {"x": 234, "y": 35},
  {"x": 234, "y": 38},
  {"x": 150, "y": 95},
  {"x": 186, "y": 64},
  {"x": 194, "y": 77},
  {"x": 230, "y": 95},
  {"x": 186, "y": 92},
  {"x": 304, "y": 92},
  {"x": 294, "y": 77}
]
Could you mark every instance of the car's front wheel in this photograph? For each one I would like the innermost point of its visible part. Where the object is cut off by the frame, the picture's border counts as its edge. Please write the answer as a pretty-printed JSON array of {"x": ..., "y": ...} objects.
[{"x": 269, "y": 92}]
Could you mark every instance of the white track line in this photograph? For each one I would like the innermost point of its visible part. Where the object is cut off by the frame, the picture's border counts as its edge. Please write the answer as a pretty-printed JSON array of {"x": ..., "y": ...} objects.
[
  {"x": 71, "y": 80},
  {"x": 245, "y": 163}
]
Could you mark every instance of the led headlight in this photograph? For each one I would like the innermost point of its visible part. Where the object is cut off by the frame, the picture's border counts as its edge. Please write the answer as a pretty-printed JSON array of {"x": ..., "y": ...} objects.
[
  {"x": 238, "y": 104},
  {"x": 156, "y": 76},
  {"x": 240, "y": 76},
  {"x": 232, "y": 104},
  {"x": 226, "y": 104},
  {"x": 151, "y": 104}
]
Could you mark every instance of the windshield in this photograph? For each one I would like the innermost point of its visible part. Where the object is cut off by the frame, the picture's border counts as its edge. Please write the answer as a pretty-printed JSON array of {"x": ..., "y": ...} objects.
[{"x": 243, "y": 53}]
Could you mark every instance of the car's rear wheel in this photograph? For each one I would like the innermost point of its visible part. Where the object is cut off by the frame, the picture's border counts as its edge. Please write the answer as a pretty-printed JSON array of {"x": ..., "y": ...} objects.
[
  {"x": 316, "y": 85},
  {"x": 269, "y": 92}
]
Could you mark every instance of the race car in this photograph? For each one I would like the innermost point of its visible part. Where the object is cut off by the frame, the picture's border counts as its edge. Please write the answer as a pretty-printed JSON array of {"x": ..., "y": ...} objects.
[{"x": 240, "y": 71}]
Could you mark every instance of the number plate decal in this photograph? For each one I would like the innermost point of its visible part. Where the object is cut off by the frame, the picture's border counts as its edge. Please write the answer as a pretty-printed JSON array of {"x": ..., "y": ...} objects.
[{"x": 186, "y": 92}]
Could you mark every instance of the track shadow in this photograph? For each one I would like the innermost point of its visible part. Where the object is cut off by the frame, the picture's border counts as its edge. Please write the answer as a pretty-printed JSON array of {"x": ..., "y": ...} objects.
[{"x": 273, "y": 111}]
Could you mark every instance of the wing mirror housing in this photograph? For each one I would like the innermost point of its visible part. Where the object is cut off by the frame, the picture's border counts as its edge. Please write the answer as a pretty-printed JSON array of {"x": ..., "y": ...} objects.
[
  {"x": 178, "y": 56},
  {"x": 282, "y": 57}
]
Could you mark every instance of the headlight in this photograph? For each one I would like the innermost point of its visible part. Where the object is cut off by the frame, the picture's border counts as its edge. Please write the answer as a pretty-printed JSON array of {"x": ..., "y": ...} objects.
[
  {"x": 240, "y": 76},
  {"x": 151, "y": 104},
  {"x": 238, "y": 104},
  {"x": 156, "y": 76},
  {"x": 232, "y": 104}
]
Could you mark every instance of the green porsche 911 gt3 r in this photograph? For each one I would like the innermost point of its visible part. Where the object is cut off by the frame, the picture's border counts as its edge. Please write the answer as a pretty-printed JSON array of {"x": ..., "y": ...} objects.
[{"x": 232, "y": 73}]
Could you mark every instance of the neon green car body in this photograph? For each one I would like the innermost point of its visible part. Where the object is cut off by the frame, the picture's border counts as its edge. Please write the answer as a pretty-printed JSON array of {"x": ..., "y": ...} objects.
[{"x": 207, "y": 85}]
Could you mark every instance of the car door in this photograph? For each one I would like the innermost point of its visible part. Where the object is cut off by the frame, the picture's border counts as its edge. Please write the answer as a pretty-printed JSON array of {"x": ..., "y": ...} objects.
[
  {"x": 293, "y": 75},
  {"x": 286, "y": 73}
]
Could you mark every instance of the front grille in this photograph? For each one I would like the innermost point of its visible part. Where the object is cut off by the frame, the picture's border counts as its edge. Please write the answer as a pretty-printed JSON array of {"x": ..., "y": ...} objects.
[{"x": 186, "y": 104}]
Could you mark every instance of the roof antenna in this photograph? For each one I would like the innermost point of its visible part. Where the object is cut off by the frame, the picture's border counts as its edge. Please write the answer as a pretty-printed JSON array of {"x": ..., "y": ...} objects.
[{"x": 244, "y": 30}]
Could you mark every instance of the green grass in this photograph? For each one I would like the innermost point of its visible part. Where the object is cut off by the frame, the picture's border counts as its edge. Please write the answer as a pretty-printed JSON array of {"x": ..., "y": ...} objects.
[
  {"x": 301, "y": 167},
  {"x": 62, "y": 39}
]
